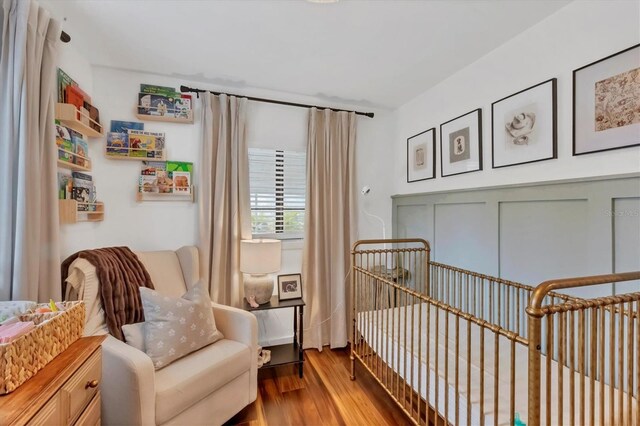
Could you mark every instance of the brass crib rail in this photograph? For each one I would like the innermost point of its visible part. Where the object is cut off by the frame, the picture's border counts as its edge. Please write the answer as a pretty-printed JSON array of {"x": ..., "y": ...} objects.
[
  {"x": 595, "y": 317},
  {"x": 425, "y": 331}
]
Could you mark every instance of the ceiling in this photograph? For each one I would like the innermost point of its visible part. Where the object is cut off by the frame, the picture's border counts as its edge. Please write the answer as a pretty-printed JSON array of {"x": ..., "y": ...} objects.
[{"x": 365, "y": 53}]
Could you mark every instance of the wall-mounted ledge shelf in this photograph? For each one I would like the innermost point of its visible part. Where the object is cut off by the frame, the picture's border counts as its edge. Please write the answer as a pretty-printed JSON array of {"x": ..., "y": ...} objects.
[
  {"x": 170, "y": 118},
  {"x": 170, "y": 196},
  {"x": 71, "y": 117},
  {"x": 112, "y": 154},
  {"x": 72, "y": 211},
  {"x": 73, "y": 166}
]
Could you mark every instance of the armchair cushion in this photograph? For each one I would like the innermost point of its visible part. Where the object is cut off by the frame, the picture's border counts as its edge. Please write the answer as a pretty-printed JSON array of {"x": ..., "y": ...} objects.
[
  {"x": 177, "y": 326},
  {"x": 189, "y": 379}
]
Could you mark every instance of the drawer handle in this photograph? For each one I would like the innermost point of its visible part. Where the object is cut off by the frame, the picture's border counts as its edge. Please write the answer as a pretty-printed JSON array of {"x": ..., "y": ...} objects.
[{"x": 91, "y": 384}]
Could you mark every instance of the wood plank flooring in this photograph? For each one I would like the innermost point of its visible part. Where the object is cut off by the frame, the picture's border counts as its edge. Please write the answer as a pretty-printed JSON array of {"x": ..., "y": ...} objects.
[{"x": 325, "y": 396}]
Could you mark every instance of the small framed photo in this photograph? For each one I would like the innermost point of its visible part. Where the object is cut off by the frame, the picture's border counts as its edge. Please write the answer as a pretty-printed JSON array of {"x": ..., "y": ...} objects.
[
  {"x": 289, "y": 287},
  {"x": 421, "y": 156},
  {"x": 461, "y": 144},
  {"x": 606, "y": 103},
  {"x": 524, "y": 126}
]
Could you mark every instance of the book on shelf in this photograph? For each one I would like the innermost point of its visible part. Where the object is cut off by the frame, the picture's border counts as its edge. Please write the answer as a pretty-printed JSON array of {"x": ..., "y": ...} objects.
[
  {"x": 179, "y": 166},
  {"x": 63, "y": 81},
  {"x": 156, "y": 105},
  {"x": 94, "y": 115},
  {"x": 74, "y": 96},
  {"x": 118, "y": 144},
  {"x": 65, "y": 186},
  {"x": 81, "y": 148},
  {"x": 169, "y": 92},
  {"x": 83, "y": 190},
  {"x": 145, "y": 144},
  {"x": 181, "y": 182},
  {"x": 63, "y": 137},
  {"x": 165, "y": 177},
  {"x": 118, "y": 126}
]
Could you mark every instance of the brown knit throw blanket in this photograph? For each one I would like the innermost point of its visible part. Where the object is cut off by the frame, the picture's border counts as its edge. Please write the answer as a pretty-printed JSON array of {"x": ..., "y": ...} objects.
[{"x": 121, "y": 274}]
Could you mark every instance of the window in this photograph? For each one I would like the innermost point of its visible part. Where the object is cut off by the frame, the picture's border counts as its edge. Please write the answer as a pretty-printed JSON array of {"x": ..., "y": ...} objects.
[{"x": 277, "y": 181}]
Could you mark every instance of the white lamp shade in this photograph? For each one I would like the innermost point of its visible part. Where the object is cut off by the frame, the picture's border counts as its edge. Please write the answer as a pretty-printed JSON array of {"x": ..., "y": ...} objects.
[{"x": 260, "y": 256}]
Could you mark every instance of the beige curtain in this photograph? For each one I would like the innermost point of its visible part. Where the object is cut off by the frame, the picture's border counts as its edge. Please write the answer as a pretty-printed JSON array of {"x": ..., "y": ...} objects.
[
  {"x": 225, "y": 214},
  {"x": 329, "y": 226},
  {"x": 29, "y": 248}
]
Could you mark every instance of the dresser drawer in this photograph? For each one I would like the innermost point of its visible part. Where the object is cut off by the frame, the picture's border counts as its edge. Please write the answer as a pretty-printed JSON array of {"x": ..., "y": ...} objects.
[
  {"x": 91, "y": 416},
  {"x": 81, "y": 387},
  {"x": 50, "y": 414}
]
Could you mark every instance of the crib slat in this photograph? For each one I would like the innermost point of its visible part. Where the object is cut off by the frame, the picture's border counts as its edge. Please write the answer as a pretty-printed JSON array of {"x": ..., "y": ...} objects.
[
  {"x": 446, "y": 365},
  {"x": 620, "y": 362},
  {"x": 572, "y": 376},
  {"x": 457, "y": 377},
  {"x": 612, "y": 366},
  {"x": 482, "y": 373},
  {"x": 549, "y": 402},
  {"x": 601, "y": 361},
  {"x": 512, "y": 379},
  {"x": 468, "y": 371},
  {"x": 581, "y": 367},
  {"x": 496, "y": 380},
  {"x": 592, "y": 365},
  {"x": 437, "y": 374},
  {"x": 630, "y": 366},
  {"x": 562, "y": 337}
]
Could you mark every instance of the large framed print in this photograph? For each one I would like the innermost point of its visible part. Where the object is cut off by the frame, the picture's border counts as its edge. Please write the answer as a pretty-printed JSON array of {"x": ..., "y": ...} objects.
[
  {"x": 421, "y": 156},
  {"x": 461, "y": 144},
  {"x": 606, "y": 103},
  {"x": 523, "y": 126}
]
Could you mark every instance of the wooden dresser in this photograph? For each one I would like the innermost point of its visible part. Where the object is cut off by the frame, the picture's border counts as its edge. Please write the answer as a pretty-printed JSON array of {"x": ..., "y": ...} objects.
[{"x": 65, "y": 392}]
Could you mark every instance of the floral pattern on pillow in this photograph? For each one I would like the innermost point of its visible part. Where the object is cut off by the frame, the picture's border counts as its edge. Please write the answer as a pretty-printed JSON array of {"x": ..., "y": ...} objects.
[{"x": 177, "y": 326}]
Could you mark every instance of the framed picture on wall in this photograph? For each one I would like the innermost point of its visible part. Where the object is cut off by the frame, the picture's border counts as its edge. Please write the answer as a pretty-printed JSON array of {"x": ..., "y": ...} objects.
[
  {"x": 461, "y": 144},
  {"x": 421, "y": 156},
  {"x": 606, "y": 103},
  {"x": 523, "y": 126},
  {"x": 289, "y": 287}
]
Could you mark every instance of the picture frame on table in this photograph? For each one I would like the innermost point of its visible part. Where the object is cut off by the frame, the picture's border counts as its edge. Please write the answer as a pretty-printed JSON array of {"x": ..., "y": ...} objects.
[
  {"x": 606, "y": 103},
  {"x": 421, "y": 156},
  {"x": 524, "y": 126},
  {"x": 289, "y": 287},
  {"x": 461, "y": 144}
]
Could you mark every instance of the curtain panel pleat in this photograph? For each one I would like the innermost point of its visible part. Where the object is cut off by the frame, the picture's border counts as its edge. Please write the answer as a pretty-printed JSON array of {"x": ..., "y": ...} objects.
[
  {"x": 224, "y": 212},
  {"x": 330, "y": 228},
  {"x": 29, "y": 243}
]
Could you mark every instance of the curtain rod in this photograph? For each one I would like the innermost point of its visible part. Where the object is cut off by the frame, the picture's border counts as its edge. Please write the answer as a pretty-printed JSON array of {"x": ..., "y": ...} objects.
[{"x": 185, "y": 89}]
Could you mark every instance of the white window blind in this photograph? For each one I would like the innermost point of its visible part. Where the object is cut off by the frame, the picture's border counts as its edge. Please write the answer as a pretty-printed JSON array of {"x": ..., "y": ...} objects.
[{"x": 277, "y": 181}]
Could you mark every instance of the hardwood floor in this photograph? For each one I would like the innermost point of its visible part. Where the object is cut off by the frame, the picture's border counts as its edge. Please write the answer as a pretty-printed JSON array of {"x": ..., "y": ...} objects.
[{"x": 325, "y": 396}]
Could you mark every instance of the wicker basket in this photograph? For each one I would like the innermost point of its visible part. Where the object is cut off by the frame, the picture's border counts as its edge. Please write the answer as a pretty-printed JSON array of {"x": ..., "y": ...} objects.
[{"x": 25, "y": 356}]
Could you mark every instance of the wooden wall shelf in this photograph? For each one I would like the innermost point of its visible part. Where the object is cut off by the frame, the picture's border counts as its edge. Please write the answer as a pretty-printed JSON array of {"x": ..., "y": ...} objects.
[
  {"x": 165, "y": 118},
  {"x": 128, "y": 157},
  {"x": 69, "y": 212},
  {"x": 71, "y": 117},
  {"x": 173, "y": 196},
  {"x": 73, "y": 166}
]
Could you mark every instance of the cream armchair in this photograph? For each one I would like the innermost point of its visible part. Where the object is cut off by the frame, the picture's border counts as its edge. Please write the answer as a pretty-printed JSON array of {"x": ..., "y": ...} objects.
[{"x": 208, "y": 386}]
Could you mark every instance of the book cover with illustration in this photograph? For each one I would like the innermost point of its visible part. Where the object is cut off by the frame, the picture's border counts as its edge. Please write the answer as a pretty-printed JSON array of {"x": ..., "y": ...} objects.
[
  {"x": 63, "y": 137},
  {"x": 65, "y": 186},
  {"x": 169, "y": 92},
  {"x": 181, "y": 182},
  {"x": 148, "y": 183},
  {"x": 157, "y": 105},
  {"x": 118, "y": 144},
  {"x": 179, "y": 166},
  {"x": 82, "y": 149},
  {"x": 118, "y": 126},
  {"x": 63, "y": 81},
  {"x": 151, "y": 168}
]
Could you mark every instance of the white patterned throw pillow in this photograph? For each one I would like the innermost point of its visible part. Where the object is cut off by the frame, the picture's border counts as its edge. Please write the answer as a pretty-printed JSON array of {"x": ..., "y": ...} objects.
[{"x": 177, "y": 326}]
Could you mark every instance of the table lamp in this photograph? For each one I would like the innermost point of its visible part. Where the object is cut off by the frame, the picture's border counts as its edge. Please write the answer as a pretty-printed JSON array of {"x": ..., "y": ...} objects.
[{"x": 258, "y": 258}]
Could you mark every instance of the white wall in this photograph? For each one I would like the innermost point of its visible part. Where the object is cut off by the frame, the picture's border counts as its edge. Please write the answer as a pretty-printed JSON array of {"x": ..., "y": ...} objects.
[
  {"x": 169, "y": 225},
  {"x": 578, "y": 34}
]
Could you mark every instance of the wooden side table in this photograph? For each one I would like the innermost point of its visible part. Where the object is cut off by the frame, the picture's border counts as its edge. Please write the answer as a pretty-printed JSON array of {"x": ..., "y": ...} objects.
[
  {"x": 64, "y": 392},
  {"x": 289, "y": 353}
]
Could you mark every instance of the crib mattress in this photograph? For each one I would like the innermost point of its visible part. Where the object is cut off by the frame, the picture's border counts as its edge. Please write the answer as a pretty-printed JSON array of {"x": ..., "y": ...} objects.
[{"x": 378, "y": 327}]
